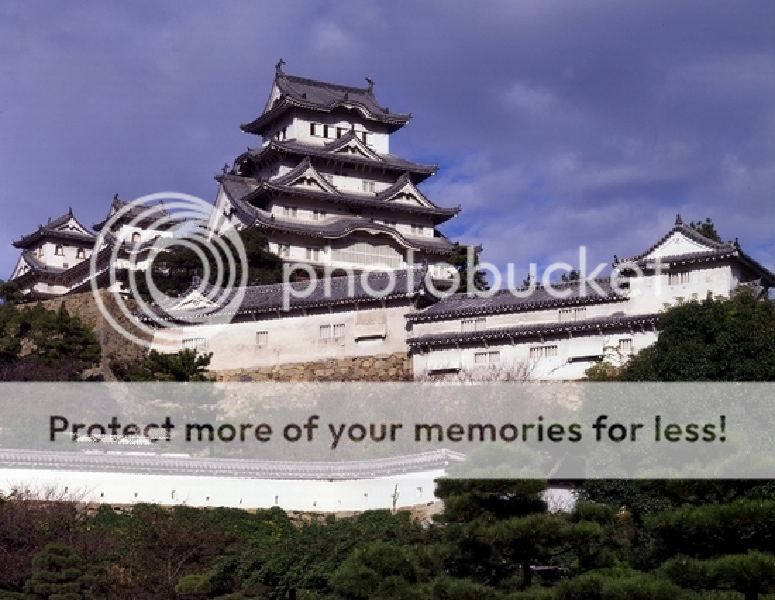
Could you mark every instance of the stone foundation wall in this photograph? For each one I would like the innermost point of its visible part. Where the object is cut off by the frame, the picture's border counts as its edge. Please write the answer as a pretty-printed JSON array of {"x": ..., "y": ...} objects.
[
  {"x": 390, "y": 367},
  {"x": 114, "y": 346}
]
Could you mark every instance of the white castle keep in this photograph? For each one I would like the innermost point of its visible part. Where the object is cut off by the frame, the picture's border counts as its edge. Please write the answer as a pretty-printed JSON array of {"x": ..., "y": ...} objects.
[{"x": 327, "y": 192}]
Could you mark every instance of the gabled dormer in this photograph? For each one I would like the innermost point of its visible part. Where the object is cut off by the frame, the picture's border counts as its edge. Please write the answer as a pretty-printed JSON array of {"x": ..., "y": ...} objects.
[
  {"x": 350, "y": 144},
  {"x": 295, "y": 95},
  {"x": 65, "y": 228},
  {"x": 307, "y": 176},
  {"x": 681, "y": 241},
  {"x": 405, "y": 192}
]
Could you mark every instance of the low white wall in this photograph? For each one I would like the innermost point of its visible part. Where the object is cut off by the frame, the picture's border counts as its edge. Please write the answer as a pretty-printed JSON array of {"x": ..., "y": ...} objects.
[{"x": 200, "y": 491}]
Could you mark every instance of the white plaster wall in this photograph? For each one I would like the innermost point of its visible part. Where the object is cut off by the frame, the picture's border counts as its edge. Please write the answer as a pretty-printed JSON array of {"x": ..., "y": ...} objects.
[
  {"x": 654, "y": 293},
  {"x": 202, "y": 491},
  {"x": 516, "y": 319},
  {"x": 516, "y": 357},
  {"x": 69, "y": 254},
  {"x": 299, "y": 129},
  {"x": 292, "y": 339}
]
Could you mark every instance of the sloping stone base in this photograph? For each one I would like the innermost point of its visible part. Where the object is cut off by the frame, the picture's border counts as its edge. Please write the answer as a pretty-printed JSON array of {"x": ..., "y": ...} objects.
[
  {"x": 114, "y": 345},
  {"x": 391, "y": 367}
]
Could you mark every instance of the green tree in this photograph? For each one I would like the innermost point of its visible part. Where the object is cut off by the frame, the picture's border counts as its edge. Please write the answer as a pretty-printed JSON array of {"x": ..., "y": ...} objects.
[
  {"x": 174, "y": 270},
  {"x": 41, "y": 344},
  {"x": 465, "y": 259},
  {"x": 181, "y": 366},
  {"x": 618, "y": 584},
  {"x": 713, "y": 340},
  {"x": 59, "y": 575},
  {"x": 379, "y": 571},
  {"x": 749, "y": 574}
]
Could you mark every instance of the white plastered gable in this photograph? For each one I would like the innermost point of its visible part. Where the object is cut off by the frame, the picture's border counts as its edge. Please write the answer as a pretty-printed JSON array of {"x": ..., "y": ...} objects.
[
  {"x": 72, "y": 225},
  {"x": 408, "y": 194},
  {"x": 356, "y": 147},
  {"x": 677, "y": 244},
  {"x": 309, "y": 178}
]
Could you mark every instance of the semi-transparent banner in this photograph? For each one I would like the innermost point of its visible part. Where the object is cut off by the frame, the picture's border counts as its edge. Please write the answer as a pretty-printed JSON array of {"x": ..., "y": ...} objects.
[{"x": 360, "y": 430}]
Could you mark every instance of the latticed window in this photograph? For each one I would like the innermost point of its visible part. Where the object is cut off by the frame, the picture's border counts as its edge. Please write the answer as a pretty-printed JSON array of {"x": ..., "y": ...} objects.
[
  {"x": 368, "y": 186},
  {"x": 362, "y": 253},
  {"x": 194, "y": 343},
  {"x": 473, "y": 324},
  {"x": 572, "y": 314},
  {"x": 338, "y": 331},
  {"x": 262, "y": 338},
  {"x": 325, "y": 332},
  {"x": 313, "y": 254},
  {"x": 625, "y": 346},
  {"x": 678, "y": 278},
  {"x": 537, "y": 352}
]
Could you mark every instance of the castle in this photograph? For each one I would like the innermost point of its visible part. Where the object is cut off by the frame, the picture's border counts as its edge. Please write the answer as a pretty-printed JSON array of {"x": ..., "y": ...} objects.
[{"x": 328, "y": 193}]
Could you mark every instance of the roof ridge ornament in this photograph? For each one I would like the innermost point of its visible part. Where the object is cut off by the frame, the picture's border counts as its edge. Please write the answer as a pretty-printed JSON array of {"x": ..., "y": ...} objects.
[
  {"x": 678, "y": 220},
  {"x": 370, "y": 81},
  {"x": 278, "y": 68}
]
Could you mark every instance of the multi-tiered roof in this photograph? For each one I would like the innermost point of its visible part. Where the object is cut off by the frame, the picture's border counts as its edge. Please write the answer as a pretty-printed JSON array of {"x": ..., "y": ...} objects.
[
  {"x": 301, "y": 166},
  {"x": 291, "y": 93}
]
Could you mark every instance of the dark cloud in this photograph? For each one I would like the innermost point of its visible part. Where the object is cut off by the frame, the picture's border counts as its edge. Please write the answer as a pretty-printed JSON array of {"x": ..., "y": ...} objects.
[{"x": 555, "y": 124}]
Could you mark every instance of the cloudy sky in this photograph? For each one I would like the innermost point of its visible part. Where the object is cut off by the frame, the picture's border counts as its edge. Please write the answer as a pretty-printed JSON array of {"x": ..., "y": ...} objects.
[{"x": 554, "y": 123}]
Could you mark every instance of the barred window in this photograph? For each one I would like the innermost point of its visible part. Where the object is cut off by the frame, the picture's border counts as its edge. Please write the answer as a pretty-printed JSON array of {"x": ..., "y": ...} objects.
[
  {"x": 473, "y": 324},
  {"x": 678, "y": 278},
  {"x": 537, "y": 352},
  {"x": 338, "y": 331},
  {"x": 325, "y": 332},
  {"x": 313, "y": 254},
  {"x": 262, "y": 338},
  {"x": 625, "y": 345},
  {"x": 572, "y": 314},
  {"x": 194, "y": 343}
]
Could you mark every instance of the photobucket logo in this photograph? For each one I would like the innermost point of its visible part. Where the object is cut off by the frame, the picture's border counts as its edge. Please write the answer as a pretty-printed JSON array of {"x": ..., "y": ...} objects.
[
  {"x": 146, "y": 230},
  {"x": 557, "y": 280}
]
